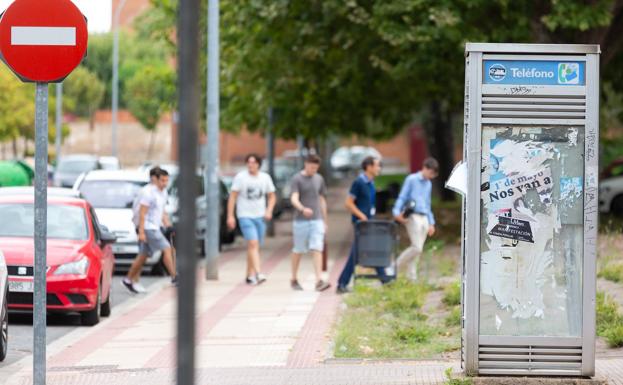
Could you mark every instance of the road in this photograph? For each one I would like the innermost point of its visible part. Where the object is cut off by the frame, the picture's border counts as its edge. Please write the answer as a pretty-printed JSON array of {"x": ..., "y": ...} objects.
[{"x": 20, "y": 324}]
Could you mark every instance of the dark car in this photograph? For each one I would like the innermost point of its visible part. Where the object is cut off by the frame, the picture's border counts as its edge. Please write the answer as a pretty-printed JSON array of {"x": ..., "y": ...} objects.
[{"x": 227, "y": 236}]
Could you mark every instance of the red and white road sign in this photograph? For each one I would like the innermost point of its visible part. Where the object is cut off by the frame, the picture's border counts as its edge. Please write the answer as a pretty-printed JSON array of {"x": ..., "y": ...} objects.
[{"x": 43, "y": 40}]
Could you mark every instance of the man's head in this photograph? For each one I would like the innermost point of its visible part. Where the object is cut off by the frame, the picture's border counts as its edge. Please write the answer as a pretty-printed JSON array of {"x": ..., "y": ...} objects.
[
  {"x": 253, "y": 161},
  {"x": 161, "y": 178},
  {"x": 152, "y": 174},
  {"x": 312, "y": 164},
  {"x": 430, "y": 168},
  {"x": 371, "y": 166}
]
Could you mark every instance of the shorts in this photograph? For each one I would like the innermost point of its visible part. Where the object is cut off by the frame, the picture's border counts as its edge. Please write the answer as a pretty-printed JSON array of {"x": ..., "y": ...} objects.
[
  {"x": 253, "y": 229},
  {"x": 155, "y": 242},
  {"x": 308, "y": 235}
]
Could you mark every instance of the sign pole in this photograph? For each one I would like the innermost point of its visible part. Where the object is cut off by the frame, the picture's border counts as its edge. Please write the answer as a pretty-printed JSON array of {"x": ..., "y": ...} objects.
[
  {"x": 59, "y": 121},
  {"x": 41, "y": 203}
]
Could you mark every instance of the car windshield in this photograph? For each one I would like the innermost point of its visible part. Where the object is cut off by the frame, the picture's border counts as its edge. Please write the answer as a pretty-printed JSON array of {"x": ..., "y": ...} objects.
[
  {"x": 106, "y": 194},
  {"x": 64, "y": 222},
  {"x": 77, "y": 166}
]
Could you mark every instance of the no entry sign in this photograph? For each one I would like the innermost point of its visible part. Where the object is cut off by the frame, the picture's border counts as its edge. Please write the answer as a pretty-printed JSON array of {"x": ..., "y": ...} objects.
[{"x": 43, "y": 41}]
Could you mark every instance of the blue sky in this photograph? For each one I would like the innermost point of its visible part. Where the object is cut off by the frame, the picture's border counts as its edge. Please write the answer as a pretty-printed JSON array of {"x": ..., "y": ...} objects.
[{"x": 98, "y": 12}]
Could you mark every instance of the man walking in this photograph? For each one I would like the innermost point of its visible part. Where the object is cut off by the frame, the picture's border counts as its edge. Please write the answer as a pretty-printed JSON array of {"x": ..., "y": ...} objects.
[
  {"x": 360, "y": 202},
  {"x": 413, "y": 209},
  {"x": 310, "y": 220},
  {"x": 249, "y": 191},
  {"x": 150, "y": 217}
]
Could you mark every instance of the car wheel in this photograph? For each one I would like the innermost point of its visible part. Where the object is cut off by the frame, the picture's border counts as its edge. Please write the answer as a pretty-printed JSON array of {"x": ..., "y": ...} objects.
[
  {"x": 4, "y": 329},
  {"x": 92, "y": 317},
  {"x": 617, "y": 205},
  {"x": 106, "y": 306}
]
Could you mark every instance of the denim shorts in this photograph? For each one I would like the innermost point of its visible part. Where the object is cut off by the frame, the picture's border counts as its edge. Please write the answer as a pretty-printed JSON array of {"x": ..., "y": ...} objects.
[
  {"x": 155, "y": 242},
  {"x": 253, "y": 229},
  {"x": 308, "y": 235}
]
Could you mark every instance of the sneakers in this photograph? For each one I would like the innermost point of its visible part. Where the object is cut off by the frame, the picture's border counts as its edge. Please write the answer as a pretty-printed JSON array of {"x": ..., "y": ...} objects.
[
  {"x": 139, "y": 288},
  {"x": 251, "y": 281},
  {"x": 322, "y": 285},
  {"x": 129, "y": 285},
  {"x": 342, "y": 290},
  {"x": 295, "y": 285},
  {"x": 261, "y": 278},
  {"x": 174, "y": 281}
]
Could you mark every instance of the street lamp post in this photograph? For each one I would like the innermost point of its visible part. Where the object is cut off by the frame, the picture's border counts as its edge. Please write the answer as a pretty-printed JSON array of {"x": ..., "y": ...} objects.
[{"x": 115, "y": 75}]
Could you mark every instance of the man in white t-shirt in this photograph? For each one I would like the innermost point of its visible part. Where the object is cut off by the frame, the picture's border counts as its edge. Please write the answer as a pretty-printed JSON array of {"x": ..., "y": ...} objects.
[
  {"x": 149, "y": 218},
  {"x": 249, "y": 192}
]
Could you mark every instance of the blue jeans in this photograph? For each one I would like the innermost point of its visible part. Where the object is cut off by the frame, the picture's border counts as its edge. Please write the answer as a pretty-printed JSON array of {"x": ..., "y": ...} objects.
[{"x": 349, "y": 269}]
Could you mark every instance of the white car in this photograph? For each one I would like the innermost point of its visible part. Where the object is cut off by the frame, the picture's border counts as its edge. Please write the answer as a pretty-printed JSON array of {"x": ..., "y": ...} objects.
[
  {"x": 111, "y": 193},
  {"x": 4, "y": 309}
]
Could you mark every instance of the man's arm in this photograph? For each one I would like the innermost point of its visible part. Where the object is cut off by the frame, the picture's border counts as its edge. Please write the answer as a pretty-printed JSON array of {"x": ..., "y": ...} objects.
[
  {"x": 431, "y": 217},
  {"x": 352, "y": 207},
  {"x": 405, "y": 191},
  {"x": 272, "y": 200},
  {"x": 323, "y": 208},
  {"x": 141, "y": 222},
  {"x": 165, "y": 219},
  {"x": 231, "y": 204}
]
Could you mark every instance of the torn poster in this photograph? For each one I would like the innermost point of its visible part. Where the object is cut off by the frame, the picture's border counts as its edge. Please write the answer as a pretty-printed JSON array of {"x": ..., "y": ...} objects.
[
  {"x": 513, "y": 229},
  {"x": 530, "y": 259}
]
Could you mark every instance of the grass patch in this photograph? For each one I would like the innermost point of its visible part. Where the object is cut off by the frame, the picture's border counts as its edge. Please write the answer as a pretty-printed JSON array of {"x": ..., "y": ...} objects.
[
  {"x": 452, "y": 294},
  {"x": 387, "y": 322},
  {"x": 383, "y": 181},
  {"x": 451, "y": 380},
  {"x": 454, "y": 318},
  {"x": 609, "y": 320},
  {"x": 612, "y": 271}
]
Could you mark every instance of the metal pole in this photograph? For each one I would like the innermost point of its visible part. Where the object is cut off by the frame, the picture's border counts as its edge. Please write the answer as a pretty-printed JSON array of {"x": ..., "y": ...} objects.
[
  {"x": 41, "y": 202},
  {"x": 115, "y": 76},
  {"x": 59, "y": 121},
  {"x": 188, "y": 102},
  {"x": 212, "y": 235},
  {"x": 270, "y": 157},
  {"x": 300, "y": 142}
]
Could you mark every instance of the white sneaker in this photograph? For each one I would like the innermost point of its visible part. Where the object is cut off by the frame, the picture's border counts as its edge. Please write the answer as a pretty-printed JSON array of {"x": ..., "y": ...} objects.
[
  {"x": 251, "y": 281},
  {"x": 261, "y": 278},
  {"x": 139, "y": 288}
]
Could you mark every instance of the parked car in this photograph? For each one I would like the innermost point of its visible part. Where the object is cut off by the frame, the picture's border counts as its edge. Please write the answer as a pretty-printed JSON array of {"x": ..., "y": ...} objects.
[
  {"x": 348, "y": 159},
  {"x": 226, "y": 235},
  {"x": 284, "y": 170},
  {"x": 79, "y": 256},
  {"x": 70, "y": 167},
  {"x": 611, "y": 188},
  {"x": 109, "y": 163},
  {"x": 111, "y": 193},
  {"x": 4, "y": 308}
]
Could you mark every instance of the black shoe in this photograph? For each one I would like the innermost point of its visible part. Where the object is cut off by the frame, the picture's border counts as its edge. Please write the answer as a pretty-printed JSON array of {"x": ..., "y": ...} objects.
[
  {"x": 129, "y": 285},
  {"x": 342, "y": 290},
  {"x": 322, "y": 285},
  {"x": 295, "y": 285}
]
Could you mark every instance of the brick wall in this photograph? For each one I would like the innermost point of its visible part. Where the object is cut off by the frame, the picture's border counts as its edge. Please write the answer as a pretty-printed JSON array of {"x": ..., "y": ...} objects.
[{"x": 131, "y": 10}]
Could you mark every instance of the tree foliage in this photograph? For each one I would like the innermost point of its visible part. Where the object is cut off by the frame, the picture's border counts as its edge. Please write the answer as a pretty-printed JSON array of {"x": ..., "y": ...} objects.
[
  {"x": 151, "y": 94},
  {"x": 83, "y": 92}
]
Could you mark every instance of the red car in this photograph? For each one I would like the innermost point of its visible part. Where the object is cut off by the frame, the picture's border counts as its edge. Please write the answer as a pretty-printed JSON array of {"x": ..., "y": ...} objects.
[{"x": 79, "y": 256}]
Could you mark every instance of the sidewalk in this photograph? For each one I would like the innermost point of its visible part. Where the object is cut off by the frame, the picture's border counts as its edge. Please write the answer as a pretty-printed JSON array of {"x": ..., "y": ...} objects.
[{"x": 245, "y": 335}]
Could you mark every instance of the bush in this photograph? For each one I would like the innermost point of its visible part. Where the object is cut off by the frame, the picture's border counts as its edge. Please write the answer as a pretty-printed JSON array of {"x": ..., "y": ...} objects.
[
  {"x": 612, "y": 272},
  {"x": 452, "y": 294},
  {"x": 419, "y": 333},
  {"x": 454, "y": 318},
  {"x": 607, "y": 313},
  {"x": 614, "y": 335}
]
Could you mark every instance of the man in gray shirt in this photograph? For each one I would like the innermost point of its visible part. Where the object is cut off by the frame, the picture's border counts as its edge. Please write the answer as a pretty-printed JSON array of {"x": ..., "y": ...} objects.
[{"x": 310, "y": 220}]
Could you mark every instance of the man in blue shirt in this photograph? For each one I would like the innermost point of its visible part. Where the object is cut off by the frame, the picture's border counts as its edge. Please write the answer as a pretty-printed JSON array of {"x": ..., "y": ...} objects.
[
  {"x": 360, "y": 202},
  {"x": 413, "y": 209}
]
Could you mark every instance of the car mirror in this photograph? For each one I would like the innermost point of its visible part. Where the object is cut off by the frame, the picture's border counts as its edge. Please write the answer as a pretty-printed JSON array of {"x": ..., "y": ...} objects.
[{"x": 107, "y": 237}]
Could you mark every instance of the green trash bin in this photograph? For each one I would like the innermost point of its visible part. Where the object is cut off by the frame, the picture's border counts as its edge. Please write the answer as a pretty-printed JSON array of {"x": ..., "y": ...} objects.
[{"x": 15, "y": 173}]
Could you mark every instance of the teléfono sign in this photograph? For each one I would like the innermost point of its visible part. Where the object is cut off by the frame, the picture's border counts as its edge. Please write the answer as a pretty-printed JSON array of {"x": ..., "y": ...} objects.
[{"x": 533, "y": 72}]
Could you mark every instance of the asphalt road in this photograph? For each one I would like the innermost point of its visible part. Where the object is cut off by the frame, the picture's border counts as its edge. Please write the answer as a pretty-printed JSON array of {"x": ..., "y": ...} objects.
[{"x": 20, "y": 324}]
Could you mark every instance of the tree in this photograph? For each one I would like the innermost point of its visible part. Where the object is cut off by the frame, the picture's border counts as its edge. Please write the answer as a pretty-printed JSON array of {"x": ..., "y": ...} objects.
[
  {"x": 83, "y": 93},
  {"x": 369, "y": 67},
  {"x": 150, "y": 94}
]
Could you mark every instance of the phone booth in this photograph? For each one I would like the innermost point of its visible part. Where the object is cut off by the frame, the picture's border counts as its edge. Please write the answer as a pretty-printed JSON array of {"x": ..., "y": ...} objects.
[{"x": 530, "y": 211}]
